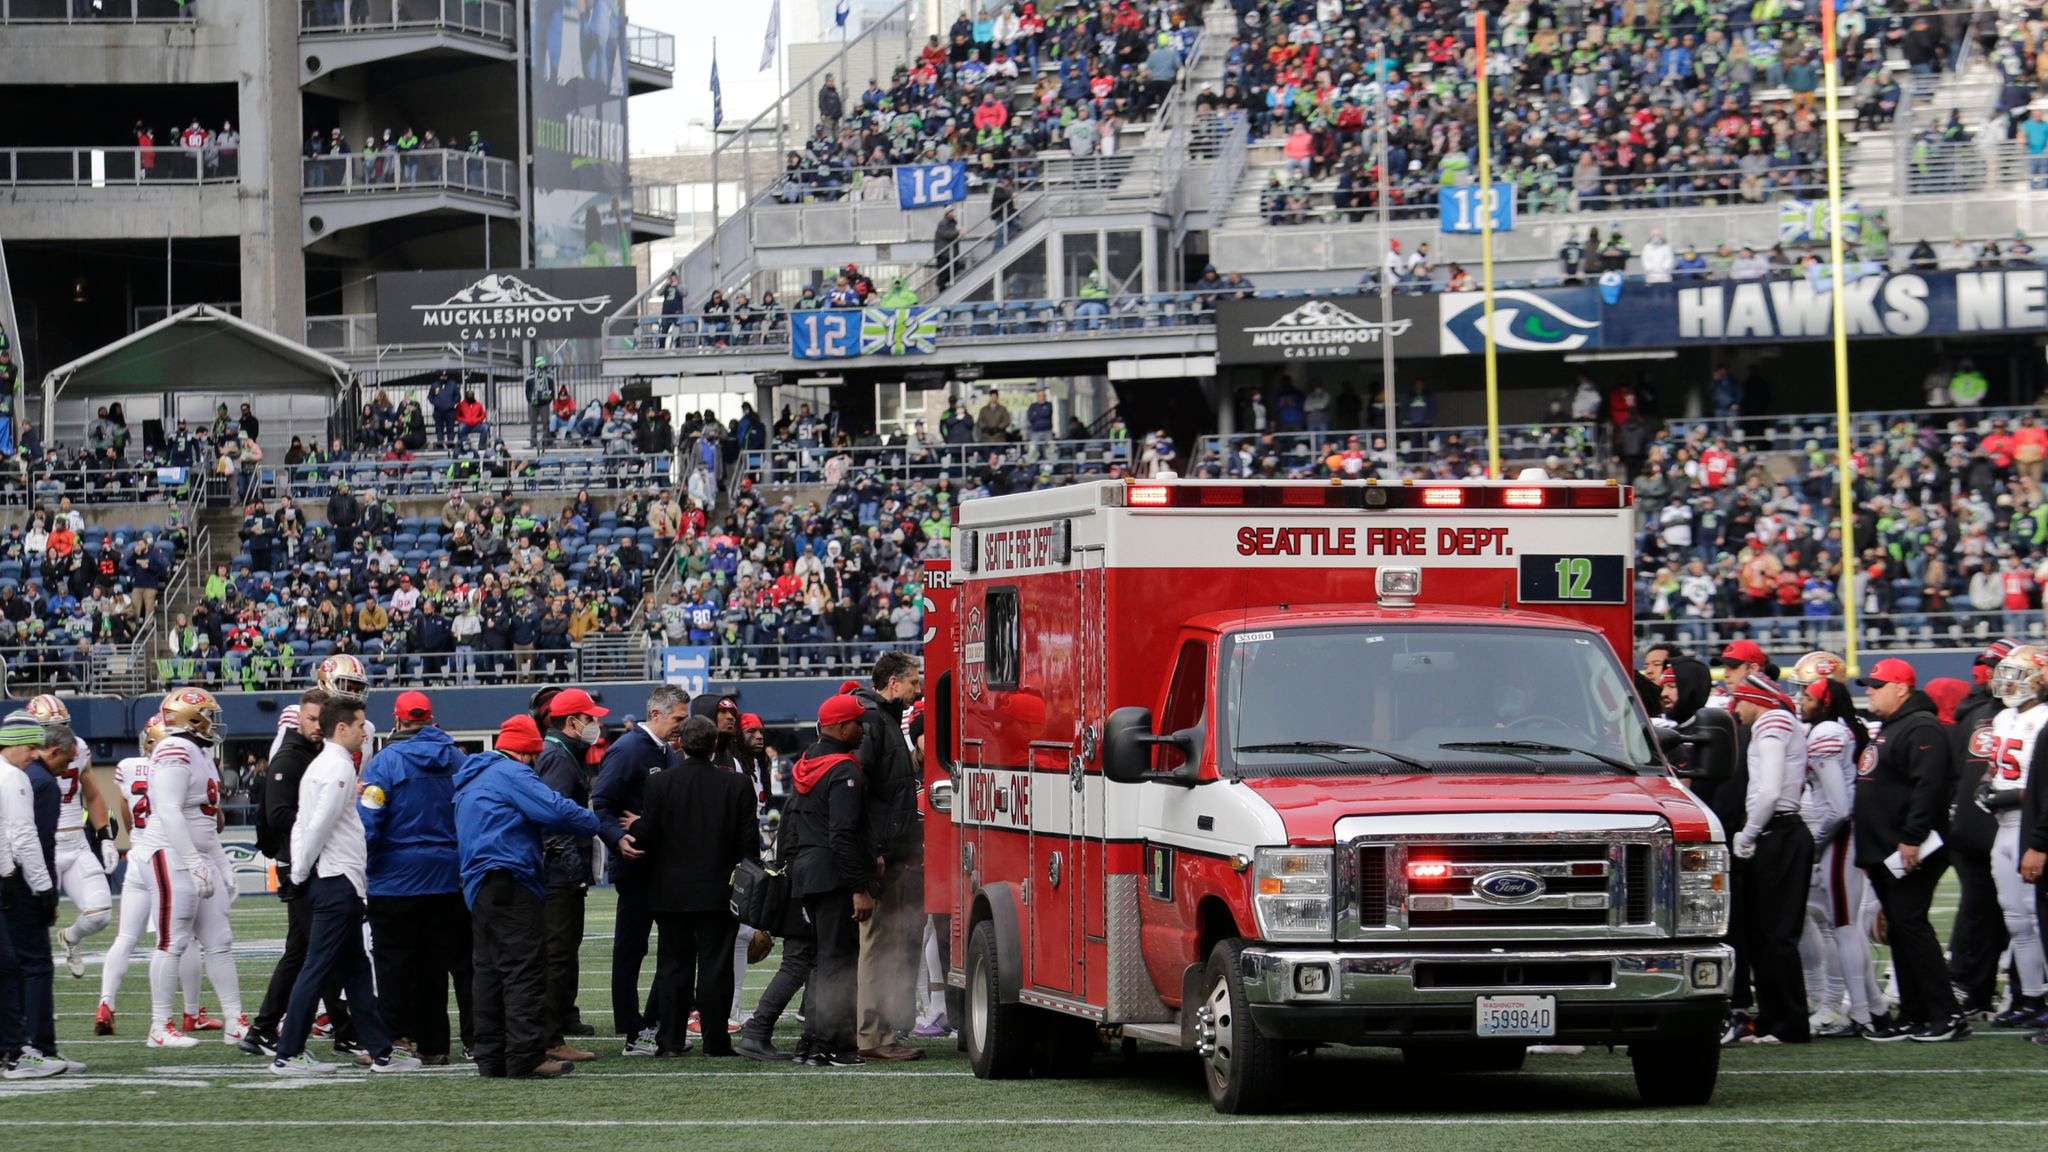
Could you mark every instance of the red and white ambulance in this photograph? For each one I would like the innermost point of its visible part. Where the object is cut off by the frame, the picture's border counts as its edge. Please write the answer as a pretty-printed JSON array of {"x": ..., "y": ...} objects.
[{"x": 1252, "y": 767}]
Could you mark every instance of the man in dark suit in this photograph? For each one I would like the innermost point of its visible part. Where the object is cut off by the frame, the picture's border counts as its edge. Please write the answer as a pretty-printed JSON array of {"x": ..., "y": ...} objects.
[
  {"x": 696, "y": 823},
  {"x": 618, "y": 798}
]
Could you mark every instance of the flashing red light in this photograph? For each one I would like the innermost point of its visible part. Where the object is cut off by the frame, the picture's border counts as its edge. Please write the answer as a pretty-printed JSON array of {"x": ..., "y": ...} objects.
[
  {"x": 1522, "y": 497},
  {"x": 1589, "y": 868},
  {"x": 1428, "y": 870},
  {"x": 1443, "y": 497},
  {"x": 1149, "y": 496}
]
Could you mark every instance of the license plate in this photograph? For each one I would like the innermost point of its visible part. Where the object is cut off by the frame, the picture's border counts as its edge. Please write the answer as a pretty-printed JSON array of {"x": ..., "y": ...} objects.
[{"x": 1517, "y": 1016}]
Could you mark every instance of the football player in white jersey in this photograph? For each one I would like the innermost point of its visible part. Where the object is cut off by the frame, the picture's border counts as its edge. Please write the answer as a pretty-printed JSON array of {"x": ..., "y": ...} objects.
[
  {"x": 2020, "y": 681},
  {"x": 179, "y": 865},
  {"x": 342, "y": 675},
  {"x": 138, "y": 910},
  {"x": 1833, "y": 948},
  {"x": 85, "y": 851}
]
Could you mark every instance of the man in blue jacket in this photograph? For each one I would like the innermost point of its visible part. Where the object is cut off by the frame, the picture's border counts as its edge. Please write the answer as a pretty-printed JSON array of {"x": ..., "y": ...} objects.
[
  {"x": 444, "y": 395},
  {"x": 419, "y": 927},
  {"x": 617, "y": 798},
  {"x": 502, "y": 811}
]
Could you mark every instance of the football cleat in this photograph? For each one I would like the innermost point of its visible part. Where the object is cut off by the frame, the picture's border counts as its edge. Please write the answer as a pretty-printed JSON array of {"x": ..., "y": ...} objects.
[
  {"x": 200, "y": 1022},
  {"x": 234, "y": 1033},
  {"x": 322, "y": 1027},
  {"x": 169, "y": 1036},
  {"x": 74, "y": 960},
  {"x": 103, "y": 1021}
]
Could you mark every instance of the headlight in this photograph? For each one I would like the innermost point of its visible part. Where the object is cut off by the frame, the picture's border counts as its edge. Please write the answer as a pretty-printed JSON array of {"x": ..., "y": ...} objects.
[
  {"x": 1702, "y": 890},
  {"x": 1291, "y": 893}
]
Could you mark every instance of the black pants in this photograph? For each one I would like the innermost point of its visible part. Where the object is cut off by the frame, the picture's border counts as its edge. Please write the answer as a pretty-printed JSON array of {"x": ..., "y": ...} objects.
[
  {"x": 632, "y": 923},
  {"x": 444, "y": 427},
  {"x": 32, "y": 1005},
  {"x": 334, "y": 955},
  {"x": 830, "y": 1024},
  {"x": 563, "y": 922},
  {"x": 694, "y": 972},
  {"x": 508, "y": 935},
  {"x": 1773, "y": 913},
  {"x": 298, "y": 921},
  {"x": 421, "y": 944},
  {"x": 1979, "y": 937},
  {"x": 799, "y": 955},
  {"x": 1925, "y": 996}
]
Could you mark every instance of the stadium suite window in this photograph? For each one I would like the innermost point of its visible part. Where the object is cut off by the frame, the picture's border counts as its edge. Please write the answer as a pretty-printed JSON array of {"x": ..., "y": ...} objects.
[{"x": 1000, "y": 612}]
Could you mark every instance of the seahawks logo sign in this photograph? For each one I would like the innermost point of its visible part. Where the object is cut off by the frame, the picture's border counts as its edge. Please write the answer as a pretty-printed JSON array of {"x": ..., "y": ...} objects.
[{"x": 1522, "y": 322}]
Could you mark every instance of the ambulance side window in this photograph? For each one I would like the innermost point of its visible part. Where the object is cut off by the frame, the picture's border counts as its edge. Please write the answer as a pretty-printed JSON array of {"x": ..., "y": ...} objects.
[
  {"x": 1000, "y": 608},
  {"x": 1186, "y": 698}
]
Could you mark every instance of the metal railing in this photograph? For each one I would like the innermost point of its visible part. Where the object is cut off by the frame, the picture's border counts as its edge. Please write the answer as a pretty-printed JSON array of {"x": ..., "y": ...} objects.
[
  {"x": 102, "y": 669},
  {"x": 96, "y": 167},
  {"x": 94, "y": 12},
  {"x": 355, "y": 333},
  {"x": 648, "y": 48},
  {"x": 768, "y": 331},
  {"x": 1792, "y": 432},
  {"x": 1946, "y": 168},
  {"x": 657, "y": 200},
  {"x": 417, "y": 171},
  {"x": 1959, "y": 627},
  {"x": 929, "y": 458},
  {"x": 1321, "y": 201},
  {"x": 1230, "y": 141},
  {"x": 600, "y": 658},
  {"x": 130, "y": 481},
  {"x": 436, "y": 473},
  {"x": 1305, "y": 449},
  {"x": 791, "y": 661},
  {"x": 491, "y": 19}
]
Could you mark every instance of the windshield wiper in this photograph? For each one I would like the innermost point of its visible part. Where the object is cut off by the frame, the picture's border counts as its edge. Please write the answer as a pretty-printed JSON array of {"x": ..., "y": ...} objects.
[
  {"x": 1327, "y": 747},
  {"x": 1524, "y": 747}
]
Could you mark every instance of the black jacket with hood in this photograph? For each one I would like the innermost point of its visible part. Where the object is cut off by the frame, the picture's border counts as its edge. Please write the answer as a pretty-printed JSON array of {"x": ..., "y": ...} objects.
[
  {"x": 892, "y": 780},
  {"x": 1903, "y": 782}
]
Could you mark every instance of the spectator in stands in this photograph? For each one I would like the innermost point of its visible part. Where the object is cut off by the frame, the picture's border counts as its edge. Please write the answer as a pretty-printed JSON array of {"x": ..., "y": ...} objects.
[{"x": 444, "y": 395}]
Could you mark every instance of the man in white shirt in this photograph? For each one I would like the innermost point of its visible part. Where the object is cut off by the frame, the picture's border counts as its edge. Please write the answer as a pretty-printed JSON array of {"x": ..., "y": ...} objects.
[{"x": 329, "y": 861}]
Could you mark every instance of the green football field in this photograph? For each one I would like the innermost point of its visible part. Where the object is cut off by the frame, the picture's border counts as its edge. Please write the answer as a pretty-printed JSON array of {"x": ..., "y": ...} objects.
[{"x": 1988, "y": 1092}]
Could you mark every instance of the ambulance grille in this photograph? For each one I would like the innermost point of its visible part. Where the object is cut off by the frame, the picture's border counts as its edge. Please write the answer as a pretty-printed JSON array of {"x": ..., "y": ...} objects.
[
  {"x": 1638, "y": 906},
  {"x": 1372, "y": 886},
  {"x": 1579, "y": 887}
]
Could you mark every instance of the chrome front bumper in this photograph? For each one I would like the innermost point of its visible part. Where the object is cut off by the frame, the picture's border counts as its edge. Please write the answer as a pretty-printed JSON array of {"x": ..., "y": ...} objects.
[{"x": 1377, "y": 978}]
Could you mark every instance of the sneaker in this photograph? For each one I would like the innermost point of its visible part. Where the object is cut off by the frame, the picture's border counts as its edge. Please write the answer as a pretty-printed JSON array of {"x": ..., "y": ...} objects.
[
  {"x": 33, "y": 1065},
  {"x": 1953, "y": 1028},
  {"x": 232, "y": 1035},
  {"x": 468, "y": 1057},
  {"x": 169, "y": 1036},
  {"x": 350, "y": 1048},
  {"x": 1841, "y": 1030},
  {"x": 756, "y": 1048},
  {"x": 300, "y": 1065},
  {"x": 103, "y": 1020},
  {"x": 932, "y": 1031},
  {"x": 200, "y": 1022},
  {"x": 842, "y": 1060},
  {"x": 2021, "y": 1015},
  {"x": 1885, "y": 1030},
  {"x": 74, "y": 960},
  {"x": 733, "y": 1024},
  {"x": 1740, "y": 1026},
  {"x": 569, "y": 1054},
  {"x": 69, "y": 1065},
  {"x": 396, "y": 1060},
  {"x": 258, "y": 1043},
  {"x": 643, "y": 1045},
  {"x": 1760, "y": 1038}
]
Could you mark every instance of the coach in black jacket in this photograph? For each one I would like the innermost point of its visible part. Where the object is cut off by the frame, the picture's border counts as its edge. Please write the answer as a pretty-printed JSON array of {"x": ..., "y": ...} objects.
[
  {"x": 889, "y": 939},
  {"x": 280, "y": 812},
  {"x": 572, "y": 721},
  {"x": 1979, "y": 937},
  {"x": 1902, "y": 794},
  {"x": 697, "y": 824}
]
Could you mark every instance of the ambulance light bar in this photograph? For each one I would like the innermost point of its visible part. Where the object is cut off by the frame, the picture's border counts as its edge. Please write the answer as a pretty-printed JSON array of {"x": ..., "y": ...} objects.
[{"x": 1373, "y": 496}]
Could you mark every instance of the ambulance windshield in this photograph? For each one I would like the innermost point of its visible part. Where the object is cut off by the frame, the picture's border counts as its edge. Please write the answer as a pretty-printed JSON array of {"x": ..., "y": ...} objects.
[{"x": 1422, "y": 698}]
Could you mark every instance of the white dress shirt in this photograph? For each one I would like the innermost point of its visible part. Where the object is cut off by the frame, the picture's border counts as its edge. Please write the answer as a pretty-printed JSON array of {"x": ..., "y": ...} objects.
[{"x": 327, "y": 839}]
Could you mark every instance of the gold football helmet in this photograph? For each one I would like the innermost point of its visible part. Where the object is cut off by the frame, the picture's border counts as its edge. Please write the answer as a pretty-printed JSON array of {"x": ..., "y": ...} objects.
[
  {"x": 2017, "y": 679},
  {"x": 192, "y": 712},
  {"x": 48, "y": 710},
  {"x": 152, "y": 734},
  {"x": 343, "y": 675},
  {"x": 1816, "y": 666}
]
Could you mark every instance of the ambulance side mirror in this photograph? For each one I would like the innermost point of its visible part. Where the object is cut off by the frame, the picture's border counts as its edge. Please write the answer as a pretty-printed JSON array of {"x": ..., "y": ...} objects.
[
  {"x": 1127, "y": 743},
  {"x": 1709, "y": 746}
]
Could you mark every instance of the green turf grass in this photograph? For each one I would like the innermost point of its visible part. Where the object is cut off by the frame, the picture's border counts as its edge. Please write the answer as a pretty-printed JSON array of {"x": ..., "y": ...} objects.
[{"x": 1989, "y": 1092}]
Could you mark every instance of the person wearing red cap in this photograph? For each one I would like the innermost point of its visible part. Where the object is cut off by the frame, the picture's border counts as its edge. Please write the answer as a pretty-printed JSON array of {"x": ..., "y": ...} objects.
[
  {"x": 573, "y": 724},
  {"x": 1774, "y": 863},
  {"x": 1977, "y": 939},
  {"x": 833, "y": 873},
  {"x": 502, "y": 811},
  {"x": 1739, "y": 660},
  {"x": 1902, "y": 815}
]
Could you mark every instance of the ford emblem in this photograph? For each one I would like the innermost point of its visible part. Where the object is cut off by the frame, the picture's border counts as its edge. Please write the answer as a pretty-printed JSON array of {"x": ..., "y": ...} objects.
[{"x": 1509, "y": 886}]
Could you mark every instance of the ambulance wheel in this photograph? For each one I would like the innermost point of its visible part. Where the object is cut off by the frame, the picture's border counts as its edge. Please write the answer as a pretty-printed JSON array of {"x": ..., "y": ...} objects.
[
  {"x": 999, "y": 1036},
  {"x": 1677, "y": 1073},
  {"x": 1242, "y": 1068},
  {"x": 1070, "y": 1043}
]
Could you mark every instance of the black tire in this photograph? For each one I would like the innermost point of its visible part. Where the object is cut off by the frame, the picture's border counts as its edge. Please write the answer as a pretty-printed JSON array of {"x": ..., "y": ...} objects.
[
  {"x": 1453, "y": 1058},
  {"x": 1068, "y": 1045},
  {"x": 1676, "y": 1074},
  {"x": 999, "y": 1037},
  {"x": 1241, "y": 1068}
]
